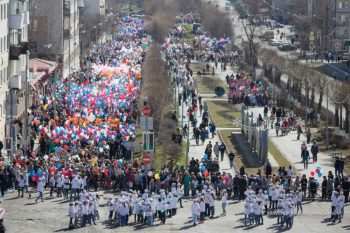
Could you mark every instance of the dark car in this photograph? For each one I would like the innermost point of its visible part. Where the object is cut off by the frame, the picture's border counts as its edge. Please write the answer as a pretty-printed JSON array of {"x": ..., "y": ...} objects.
[{"x": 286, "y": 47}]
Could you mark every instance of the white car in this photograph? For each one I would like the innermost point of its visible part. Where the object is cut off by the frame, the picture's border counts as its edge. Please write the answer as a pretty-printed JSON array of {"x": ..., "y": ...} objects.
[{"x": 274, "y": 42}]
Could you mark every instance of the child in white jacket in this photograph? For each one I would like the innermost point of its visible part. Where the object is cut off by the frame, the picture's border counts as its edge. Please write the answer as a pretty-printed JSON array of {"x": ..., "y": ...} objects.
[{"x": 71, "y": 214}]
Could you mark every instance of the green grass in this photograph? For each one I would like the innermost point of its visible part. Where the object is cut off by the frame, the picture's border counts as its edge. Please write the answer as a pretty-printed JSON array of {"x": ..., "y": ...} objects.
[
  {"x": 182, "y": 159},
  {"x": 207, "y": 84},
  {"x": 223, "y": 114},
  {"x": 277, "y": 155},
  {"x": 160, "y": 160}
]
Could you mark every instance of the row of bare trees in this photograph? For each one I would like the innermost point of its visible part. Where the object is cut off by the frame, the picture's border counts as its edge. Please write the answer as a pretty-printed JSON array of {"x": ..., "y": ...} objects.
[
  {"x": 305, "y": 84},
  {"x": 162, "y": 16}
]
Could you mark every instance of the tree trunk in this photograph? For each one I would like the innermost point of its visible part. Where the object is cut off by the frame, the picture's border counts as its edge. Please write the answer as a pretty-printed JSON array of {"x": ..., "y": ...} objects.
[
  {"x": 312, "y": 100},
  {"x": 346, "y": 122},
  {"x": 319, "y": 106},
  {"x": 341, "y": 117},
  {"x": 336, "y": 116},
  {"x": 300, "y": 86}
]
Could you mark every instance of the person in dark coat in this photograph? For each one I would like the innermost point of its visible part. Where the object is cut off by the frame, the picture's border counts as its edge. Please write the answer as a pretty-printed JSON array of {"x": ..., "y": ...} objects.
[
  {"x": 242, "y": 186},
  {"x": 314, "y": 151}
]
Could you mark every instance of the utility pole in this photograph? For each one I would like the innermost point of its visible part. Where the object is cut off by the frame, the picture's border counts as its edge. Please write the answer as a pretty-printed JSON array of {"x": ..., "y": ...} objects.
[
  {"x": 327, "y": 133},
  {"x": 26, "y": 98}
]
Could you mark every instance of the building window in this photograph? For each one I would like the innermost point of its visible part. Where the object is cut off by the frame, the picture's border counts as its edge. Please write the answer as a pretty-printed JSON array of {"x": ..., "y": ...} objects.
[
  {"x": 341, "y": 5},
  {"x": 34, "y": 25},
  {"x": 1, "y": 15}
]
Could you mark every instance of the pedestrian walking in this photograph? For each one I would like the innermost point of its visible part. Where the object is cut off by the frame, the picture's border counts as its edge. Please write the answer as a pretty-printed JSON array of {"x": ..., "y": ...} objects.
[{"x": 222, "y": 149}]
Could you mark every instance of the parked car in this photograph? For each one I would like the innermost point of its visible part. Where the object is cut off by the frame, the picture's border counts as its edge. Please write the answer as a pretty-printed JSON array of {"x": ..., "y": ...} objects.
[
  {"x": 286, "y": 47},
  {"x": 274, "y": 42}
]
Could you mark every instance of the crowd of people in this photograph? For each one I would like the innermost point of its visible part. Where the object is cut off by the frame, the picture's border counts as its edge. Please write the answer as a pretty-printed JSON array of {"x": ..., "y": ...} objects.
[
  {"x": 244, "y": 90},
  {"x": 83, "y": 124}
]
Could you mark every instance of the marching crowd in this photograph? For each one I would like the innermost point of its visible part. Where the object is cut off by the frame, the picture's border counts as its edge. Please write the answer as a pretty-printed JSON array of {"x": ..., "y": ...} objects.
[{"x": 143, "y": 193}]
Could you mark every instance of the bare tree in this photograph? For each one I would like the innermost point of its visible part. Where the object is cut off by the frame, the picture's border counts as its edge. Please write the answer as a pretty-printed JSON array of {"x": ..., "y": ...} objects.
[
  {"x": 155, "y": 78},
  {"x": 216, "y": 22}
]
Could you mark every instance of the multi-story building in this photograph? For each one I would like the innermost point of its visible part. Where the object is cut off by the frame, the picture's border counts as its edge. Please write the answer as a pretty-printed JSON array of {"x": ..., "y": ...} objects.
[
  {"x": 18, "y": 25},
  {"x": 95, "y": 8},
  {"x": 55, "y": 32},
  {"x": 341, "y": 24},
  {"x": 283, "y": 10},
  {"x": 4, "y": 60}
]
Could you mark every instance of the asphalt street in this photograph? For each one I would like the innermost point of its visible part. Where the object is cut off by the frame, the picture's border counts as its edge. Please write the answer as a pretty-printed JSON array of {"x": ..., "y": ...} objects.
[{"x": 24, "y": 215}]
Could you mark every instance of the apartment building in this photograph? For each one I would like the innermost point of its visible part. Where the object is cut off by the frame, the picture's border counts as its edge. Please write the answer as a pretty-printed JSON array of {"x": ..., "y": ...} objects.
[
  {"x": 55, "y": 32},
  {"x": 4, "y": 61}
]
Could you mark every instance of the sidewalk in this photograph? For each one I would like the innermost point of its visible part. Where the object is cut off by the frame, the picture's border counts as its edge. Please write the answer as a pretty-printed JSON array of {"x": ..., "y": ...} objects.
[
  {"x": 195, "y": 151},
  {"x": 290, "y": 147}
]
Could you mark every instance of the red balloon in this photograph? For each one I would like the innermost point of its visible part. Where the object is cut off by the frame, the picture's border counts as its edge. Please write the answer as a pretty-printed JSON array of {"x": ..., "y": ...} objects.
[
  {"x": 312, "y": 173},
  {"x": 52, "y": 169},
  {"x": 205, "y": 173},
  {"x": 65, "y": 173}
]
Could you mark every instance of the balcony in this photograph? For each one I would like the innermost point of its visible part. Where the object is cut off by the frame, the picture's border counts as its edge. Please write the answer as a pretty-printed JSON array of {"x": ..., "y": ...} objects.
[
  {"x": 66, "y": 33},
  {"x": 17, "y": 104},
  {"x": 15, "y": 52},
  {"x": 66, "y": 12},
  {"x": 18, "y": 21}
]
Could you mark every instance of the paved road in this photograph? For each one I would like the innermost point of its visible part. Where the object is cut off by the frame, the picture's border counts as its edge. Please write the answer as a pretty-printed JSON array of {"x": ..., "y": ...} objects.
[{"x": 23, "y": 215}]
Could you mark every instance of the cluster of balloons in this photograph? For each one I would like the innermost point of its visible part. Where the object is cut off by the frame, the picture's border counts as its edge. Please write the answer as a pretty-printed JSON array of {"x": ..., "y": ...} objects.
[
  {"x": 204, "y": 170},
  {"x": 317, "y": 171},
  {"x": 101, "y": 102}
]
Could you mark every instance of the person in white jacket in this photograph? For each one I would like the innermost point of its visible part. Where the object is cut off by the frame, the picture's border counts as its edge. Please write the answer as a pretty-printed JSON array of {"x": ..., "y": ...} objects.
[
  {"x": 224, "y": 202},
  {"x": 66, "y": 186},
  {"x": 195, "y": 210},
  {"x": 334, "y": 200},
  {"x": 265, "y": 200},
  {"x": 91, "y": 213},
  {"x": 162, "y": 210},
  {"x": 173, "y": 204},
  {"x": 123, "y": 213},
  {"x": 85, "y": 211},
  {"x": 23, "y": 183},
  {"x": 202, "y": 210},
  {"x": 258, "y": 208},
  {"x": 337, "y": 209},
  {"x": 96, "y": 207},
  {"x": 247, "y": 210},
  {"x": 71, "y": 214},
  {"x": 137, "y": 212},
  {"x": 149, "y": 215},
  {"x": 299, "y": 198},
  {"x": 75, "y": 186},
  {"x": 110, "y": 205},
  {"x": 52, "y": 183},
  {"x": 59, "y": 184},
  {"x": 40, "y": 189}
]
